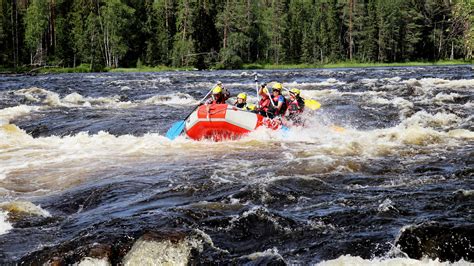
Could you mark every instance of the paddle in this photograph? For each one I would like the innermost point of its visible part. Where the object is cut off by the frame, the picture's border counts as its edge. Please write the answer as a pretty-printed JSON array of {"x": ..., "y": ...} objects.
[
  {"x": 177, "y": 128},
  {"x": 312, "y": 104},
  {"x": 283, "y": 127},
  {"x": 256, "y": 87}
]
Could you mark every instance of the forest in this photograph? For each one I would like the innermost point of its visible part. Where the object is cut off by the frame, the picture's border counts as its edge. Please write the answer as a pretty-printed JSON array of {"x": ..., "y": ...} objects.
[{"x": 225, "y": 34}]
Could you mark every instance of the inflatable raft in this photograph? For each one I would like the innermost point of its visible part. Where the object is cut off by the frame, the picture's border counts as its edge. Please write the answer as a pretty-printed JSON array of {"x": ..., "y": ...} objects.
[{"x": 222, "y": 121}]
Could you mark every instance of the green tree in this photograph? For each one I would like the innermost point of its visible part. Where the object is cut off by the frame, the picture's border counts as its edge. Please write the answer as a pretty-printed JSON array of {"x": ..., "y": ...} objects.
[
  {"x": 234, "y": 29},
  {"x": 183, "y": 46},
  {"x": 299, "y": 21},
  {"x": 274, "y": 24},
  {"x": 36, "y": 21},
  {"x": 461, "y": 30},
  {"x": 81, "y": 18},
  {"x": 3, "y": 33},
  {"x": 113, "y": 18},
  {"x": 160, "y": 27}
]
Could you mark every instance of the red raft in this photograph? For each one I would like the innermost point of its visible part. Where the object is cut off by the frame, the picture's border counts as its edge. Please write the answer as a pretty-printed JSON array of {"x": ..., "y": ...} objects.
[{"x": 223, "y": 121}]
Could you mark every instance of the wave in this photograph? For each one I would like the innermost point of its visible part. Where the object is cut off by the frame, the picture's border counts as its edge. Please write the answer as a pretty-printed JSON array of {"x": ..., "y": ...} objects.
[
  {"x": 41, "y": 96},
  {"x": 172, "y": 99},
  {"x": 5, "y": 226},
  {"x": 24, "y": 208},
  {"x": 10, "y": 113},
  {"x": 358, "y": 261}
]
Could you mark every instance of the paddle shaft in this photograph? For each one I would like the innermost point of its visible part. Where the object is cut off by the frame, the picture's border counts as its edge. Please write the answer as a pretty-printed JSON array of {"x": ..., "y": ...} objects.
[
  {"x": 197, "y": 105},
  {"x": 256, "y": 87}
]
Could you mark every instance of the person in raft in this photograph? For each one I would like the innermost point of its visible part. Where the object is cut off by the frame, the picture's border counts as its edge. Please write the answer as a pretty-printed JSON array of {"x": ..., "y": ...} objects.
[
  {"x": 242, "y": 102},
  {"x": 279, "y": 101},
  {"x": 264, "y": 105},
  {"x": 219, "y": 94},
  {"x": 295, "y": 107}
]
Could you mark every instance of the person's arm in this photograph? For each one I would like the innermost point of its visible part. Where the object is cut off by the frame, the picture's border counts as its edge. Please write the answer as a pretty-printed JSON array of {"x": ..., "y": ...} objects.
[{"x": 280, "y": 103}]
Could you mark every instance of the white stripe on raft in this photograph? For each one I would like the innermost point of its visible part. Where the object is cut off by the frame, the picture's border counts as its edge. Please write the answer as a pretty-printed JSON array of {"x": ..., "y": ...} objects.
[{"x": 240, "y": 118}]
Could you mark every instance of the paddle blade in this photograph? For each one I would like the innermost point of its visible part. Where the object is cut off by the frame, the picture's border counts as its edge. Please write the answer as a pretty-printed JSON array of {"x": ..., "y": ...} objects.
[
  {"x": 175, "y": 130},
  {"x": 312, "y": 104},
  {"x": 338, "y": 129}
]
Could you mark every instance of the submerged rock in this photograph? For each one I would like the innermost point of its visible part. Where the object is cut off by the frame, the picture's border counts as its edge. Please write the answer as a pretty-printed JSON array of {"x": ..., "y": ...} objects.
[{"x": 438, "y": 241}]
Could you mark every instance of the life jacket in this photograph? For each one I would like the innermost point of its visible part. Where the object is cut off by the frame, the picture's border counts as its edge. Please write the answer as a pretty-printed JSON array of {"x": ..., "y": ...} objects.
[
  {"x": 214, "y": 100},
  {"x": 283, "y": 107},
  {"x": 296, "y": 106},
  {"x": 241, "y": 105},
  {"x": 264, "y": 104}
]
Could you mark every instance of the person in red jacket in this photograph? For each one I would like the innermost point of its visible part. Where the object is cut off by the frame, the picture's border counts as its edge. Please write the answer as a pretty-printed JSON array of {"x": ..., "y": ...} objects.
[
  {"x": 264, "y": 105},
  {"x": 295, "y": 107},
  {"x": 219, "y": 94},
  {"x": 279, "y": 101}
]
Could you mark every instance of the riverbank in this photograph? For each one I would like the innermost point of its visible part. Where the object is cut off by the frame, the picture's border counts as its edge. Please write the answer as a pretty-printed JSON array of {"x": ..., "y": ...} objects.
[
  {"x": 356, "y": 65},
  {"x": 85, "y": 68}
]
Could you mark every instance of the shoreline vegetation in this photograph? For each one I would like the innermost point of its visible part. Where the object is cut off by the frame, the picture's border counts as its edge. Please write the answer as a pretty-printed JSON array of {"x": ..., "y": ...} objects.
[
  {"x": 85, "y": 68},
  {"x": 58, "y": 36}
]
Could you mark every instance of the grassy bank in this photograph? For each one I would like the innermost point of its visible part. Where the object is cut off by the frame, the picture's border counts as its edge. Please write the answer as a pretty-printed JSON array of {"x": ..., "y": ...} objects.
[
  {"x": 354, "y": 65},
  {"x": 85, "y": 68},
  {"x": 150, "y": 69}
]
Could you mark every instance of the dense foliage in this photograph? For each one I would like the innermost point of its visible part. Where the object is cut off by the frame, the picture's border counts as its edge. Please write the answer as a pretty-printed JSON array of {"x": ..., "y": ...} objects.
[{"x": 228, "y": 33}]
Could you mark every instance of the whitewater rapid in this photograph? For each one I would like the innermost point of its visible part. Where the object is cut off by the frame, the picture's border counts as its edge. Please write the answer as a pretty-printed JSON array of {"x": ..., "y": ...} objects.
[{"x": 89, "y": 151}]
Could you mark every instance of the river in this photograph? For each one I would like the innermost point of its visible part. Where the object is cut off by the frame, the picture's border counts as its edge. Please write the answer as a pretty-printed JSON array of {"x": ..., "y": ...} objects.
[{"x": 381, "y": 174}]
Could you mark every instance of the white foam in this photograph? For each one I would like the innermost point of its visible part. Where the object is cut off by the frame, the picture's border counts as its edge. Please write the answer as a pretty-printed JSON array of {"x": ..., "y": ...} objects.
[
  {"x": 446, "y": 97},
  {"x": 52, "y": 99},
  {"x": 173, "y": 99},
  {"x": 379, "y": 100},
  {"x": 164, "y": 252},
  {"x": 4, "y": 225},
  {"x": 24, "y": 207},
  {"x": 425, "y": 119},
  {"x": 386, "y": 206},
  {"x": 464, "y": 192},
  {"x": 404, "y": 105},
  {"x": 325, "y": 83},
  {"x": 358, "y": 261},
  {"x": 10, "y": 113},
  {"x": 87, "y": 261},
  {"x": 273, "y": 252}
]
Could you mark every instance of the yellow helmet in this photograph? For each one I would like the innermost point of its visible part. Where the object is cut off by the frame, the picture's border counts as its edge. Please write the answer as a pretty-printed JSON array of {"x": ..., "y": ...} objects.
[
  {"x": 295, "y": 91},
  {"x": 217, "y": 89},
  {"x": 277, "y": 86},
  {"x": 242, "y": 96}
]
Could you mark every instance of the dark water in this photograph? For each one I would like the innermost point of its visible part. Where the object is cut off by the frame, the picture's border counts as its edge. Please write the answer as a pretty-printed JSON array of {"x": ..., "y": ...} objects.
[{"x": 383, "y": 171}]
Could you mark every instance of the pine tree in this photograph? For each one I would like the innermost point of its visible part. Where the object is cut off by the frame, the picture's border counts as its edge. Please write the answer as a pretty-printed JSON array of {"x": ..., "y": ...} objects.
[
  {"x": 205, "y": 35},
  {"x": 160, "y": 30},
  {"x": 63, "y": 52},
  {"x": 299, "y": 14},
  {"x": 330, "y": 31},
  {"x": 3, "y": 33},
  {"x": 274, "y": 24},
  {"x": 233, "y": 26},
  {"x": 388, "y": 23},
  {"x": 183, "y": 46}
]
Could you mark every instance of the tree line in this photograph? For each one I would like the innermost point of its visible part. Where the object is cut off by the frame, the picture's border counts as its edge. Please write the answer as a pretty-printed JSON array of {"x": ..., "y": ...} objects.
[{"x": 228, "y": 33}]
